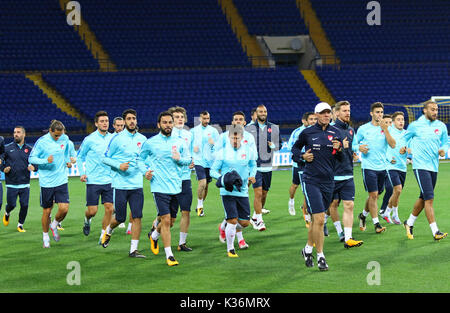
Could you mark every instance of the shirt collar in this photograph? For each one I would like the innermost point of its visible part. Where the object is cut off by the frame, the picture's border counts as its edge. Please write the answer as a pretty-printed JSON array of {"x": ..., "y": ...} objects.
[{"x": 341, "y": 123}]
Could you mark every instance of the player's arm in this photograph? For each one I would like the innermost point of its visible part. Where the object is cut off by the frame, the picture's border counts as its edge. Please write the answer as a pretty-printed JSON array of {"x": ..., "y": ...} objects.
[
  {"x": 297, "y": 154},
  {"x": 390, "y": 140},
  {"x": 183, "y": 157},
  {"x": 217, "y": 165},
  {"x": 444, "y": 141},
  {"x": 81, "y": 156},
  {"x": 108, "y": 155},
  {"x": 37, "y": 155},
  {"x": 145, "y": 152}
]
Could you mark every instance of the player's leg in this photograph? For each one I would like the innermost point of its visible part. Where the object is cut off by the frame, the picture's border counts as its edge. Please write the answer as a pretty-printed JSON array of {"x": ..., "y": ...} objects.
[
  {"x": 11, "y": 200},
  {"x": 267, "y": 182},
  {"x": 46, "y": 201},
  {"x": 24, "y": 198},
  {"x": 385, "y": 209},
  {"x": 428, "y": 206},
  {"x": 334, "y": 214},
  {"x": 243, "y": 206},
  {"x": 231, "y": 216},
  {"x": 293, "y": 189},
  {"x": 398, "y": 180},
  {"x": 61, "y": 194},
  {"x": 92, "y": 197},
  {"x": 201, "y": 185},
  {"x": 136, "y": 202},
  {"x": 120, "y": 197}
]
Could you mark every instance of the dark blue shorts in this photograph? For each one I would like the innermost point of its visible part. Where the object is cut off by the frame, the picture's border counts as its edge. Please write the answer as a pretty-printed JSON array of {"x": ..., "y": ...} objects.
[
  {"x": 59, "y": 194},
  {"x": 344, "y": 190},
  {"x": 133, "y": 197},
  {"x": 263, "y": 179},
  {"x": 93, "y": 193},
  {"x": 13, "y": 193},
  {"x": 203, "y": 173},
  {"x": 373, "y": 180},
  {"x": 236, "y": 207},
  {"x": 296, "y": 175},
  {"x": 184, "y": 198},
  {"x": 1, "y": 194},
  {"x": 396, "y": 178},
  {"x": 427, "y": 182},
  {"x": 166, "y": 204},
  {"x": 318, "y": 196}
]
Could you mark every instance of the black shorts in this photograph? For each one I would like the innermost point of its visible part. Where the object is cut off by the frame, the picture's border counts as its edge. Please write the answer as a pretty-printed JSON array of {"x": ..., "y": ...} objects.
[
  {"x": 236, "y": 207},
  {"x": 133, "y": 197},
  {"x": 318, "y": 196},
  {"x": 373, "y": 180},
  {"x": 344, "y": 190},
  {"x": 427, "y": 182},
  {"x": 396, "y": 177},
  {"x": 296, "y": 175},
  {"x": 166, "y": 204},
  {"x": 203, "y": 173},
  {"x": 263, "y": 179},
  {"x": 184, "y": 198},
  {"x": 93, "y": 193},
  {"x": 59, "y": 194},
  {"x": 13, "y": 193}
]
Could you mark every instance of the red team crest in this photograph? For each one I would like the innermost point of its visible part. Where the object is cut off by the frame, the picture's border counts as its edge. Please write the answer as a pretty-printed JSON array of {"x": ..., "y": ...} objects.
[
  {"x": 139, "y": 144},
  {"x": 26, "y": 150},
  {"x": 330, "y": 138},
  {"x": 243, "y": 156},
  {"x": 351, "y": 132},
  {"x": 269, "y": 130},
  {"x": 62, "y": 147},
  {"x": 436, "y": 131}
]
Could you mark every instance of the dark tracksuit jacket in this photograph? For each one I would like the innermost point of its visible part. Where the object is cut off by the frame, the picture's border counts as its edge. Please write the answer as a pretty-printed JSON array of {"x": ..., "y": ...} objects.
[
  {"x": 344, "y": 166},
  {"x": 17, "y": 159},
  {"x": 270, "y": 133}
]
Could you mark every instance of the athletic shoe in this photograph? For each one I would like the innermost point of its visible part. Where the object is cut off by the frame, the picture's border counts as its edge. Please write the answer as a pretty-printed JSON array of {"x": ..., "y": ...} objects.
[
  {"x": 5, "y": 220},
  {"x": 55, "y": 233},
  {"x": 171, "y": 261},
  {"x": 20, "y": 229},
  {"x": 325, "y": 230},
  {"x": 265, "y": 211},
  {"x": 243, "y": 245},
  {"x": 387, "y": 218},
  {"x": 122, "y": 225},
  {"x": 200, "y": 212},
  {"x": 46, "y": 243},
  {"x": 232, "y": 254},
  {"x": 222, "y": 236},
  {"x": 322, "y": 264},
  {"x": 153, "y": 243},
  {"x": 308, "y": 258},
  {"x": 396, "y": 220},
  {"x": 362, "y": 222},
  {"x": 183, "y": 247},
  {"x": 59, "y": 227},
  {"x": 439, "y": 235},
  {"x": 136, "y": 254},
  {"x": 292, "y": 209},
  {"x": 379, "y": 229},
  {"x": 128, "y": 232},
  {"x": 341, "y": 237},
  {"x": 258, "y": 225},
  {"x": 86, "y": 228},
  {"x": 105, "y": 240},
  {"x": 409, "y": 230},
  {"x": 353, "y": 243}
]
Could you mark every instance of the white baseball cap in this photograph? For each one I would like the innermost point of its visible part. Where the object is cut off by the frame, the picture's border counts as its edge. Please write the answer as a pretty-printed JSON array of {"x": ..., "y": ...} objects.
[{"x": 321, "y": 107}]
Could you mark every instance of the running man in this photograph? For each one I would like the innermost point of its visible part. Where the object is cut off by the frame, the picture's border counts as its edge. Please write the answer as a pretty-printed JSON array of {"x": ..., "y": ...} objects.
[
  {"x": 17, "y": 176},
  {"x": 323, "y": 146},
  {"x": 51, "y": 154},
  {"x": 204, "y": 136},
  {"x": 428, "y": 138},
  {"x": 372, "y": 140},
  {"x": 96, "y": 174},
  {"x": 168, "y": 157},
  {"x": 122, "y": 155},
  {"x": 235, "y": 162}
]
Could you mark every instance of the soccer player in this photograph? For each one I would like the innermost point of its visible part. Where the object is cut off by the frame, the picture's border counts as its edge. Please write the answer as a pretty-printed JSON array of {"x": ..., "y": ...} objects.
[
  {"x": 96, "y": 174},
  {"x": 238, "y": 118},
  {"x": 2, "y": 152},
  {"x": 308, "y": 119},
  {"x": 17, "y": 176},
  {"x": 372, "y": 139},
  {"x": 50, "y": 153},
  {"x": 323, "y": 146},
  {"x": 428, "y": 138},
  {"x": 344, "y": 186},
  {"x": 387, "y": 185},
  {"x": 168, "y": 157},
  {"x": 238, "y": 159},
  {"x": 253, "y": 116},
  {"x": 204, "y": 137},
  {"x": 118, "y": 124},
  {"x": 122, "y": 155},
  {"x": 396, "y": 169},
  {"x": 268, "y": 140},
  {"x": 184, "y": 199}
]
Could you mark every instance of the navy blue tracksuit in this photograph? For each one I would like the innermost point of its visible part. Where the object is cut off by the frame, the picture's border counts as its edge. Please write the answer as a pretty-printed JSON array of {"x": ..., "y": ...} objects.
[
  {"x": 2, "y": 153},
  {"x": 318, "y": 175},
  {"x": 17, "y": 178}
]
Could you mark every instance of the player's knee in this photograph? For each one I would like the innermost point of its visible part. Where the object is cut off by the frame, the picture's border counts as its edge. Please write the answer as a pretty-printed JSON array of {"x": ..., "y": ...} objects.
[{"x": 244, "y": 223}]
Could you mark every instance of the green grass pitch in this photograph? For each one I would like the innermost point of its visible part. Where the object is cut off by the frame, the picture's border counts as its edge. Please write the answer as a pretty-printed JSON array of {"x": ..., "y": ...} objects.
[{"x": 272, "y": 264}]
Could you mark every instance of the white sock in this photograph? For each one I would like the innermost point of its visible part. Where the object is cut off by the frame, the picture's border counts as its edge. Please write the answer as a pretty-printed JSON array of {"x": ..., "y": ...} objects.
[
  {"x": 411, "y": 220},
  {"x": 54, "y": 224},
  {"x": 338, "y": 227},
  {"x": 223, "y": 225},
  {"x": 129, "y": 226},
  {"x": 365, "y": 213},
  {"x": 134, "y": 245},
  {"x": 18, "y": 225},
  {"x": 108, "y": 229},
  {"x": 199, "y": 203},
  {"x": 182, "y": 238},
  {"x": 434, "y": 228},
  {"x": 387, "y": 211},
  {"x": 45, "y": 237},
  {"x": 326, "y": 217},
  {"x": 347, "y": 233},
  {"x": 86, "y": 220},
  {"x": 320, "y": 255},
  {"x": 168, "y": 251},
  {"x": 155, "y": 235},
  {"x": 292, "y": 202},
  {"x": 308, "y": 248},
  {"x": 230, "y": 232},
  {"x": 375, "y": 220},
  {"x": 308, "y": 217},
  {"x": 101, "y": 235},
  {"x": 395, "y": 211},
  {"x": 239, "y": 236},
  {"x": 258, "y": 217}
]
